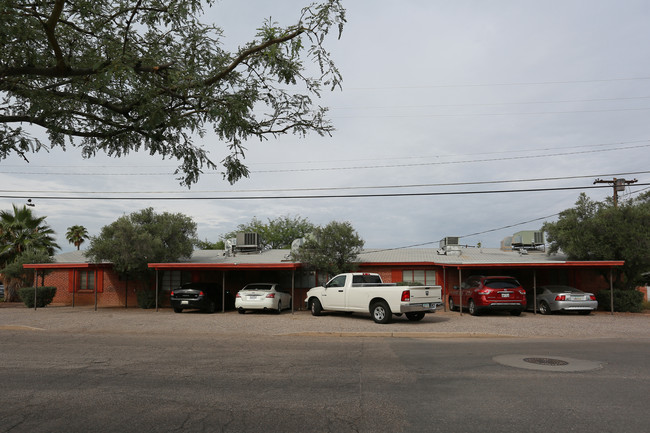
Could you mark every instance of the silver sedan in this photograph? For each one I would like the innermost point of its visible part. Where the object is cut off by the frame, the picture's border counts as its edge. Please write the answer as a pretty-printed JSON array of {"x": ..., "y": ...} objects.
[
  {"x": 262, "y": 296},
  {"x": 565, "y": 298}
]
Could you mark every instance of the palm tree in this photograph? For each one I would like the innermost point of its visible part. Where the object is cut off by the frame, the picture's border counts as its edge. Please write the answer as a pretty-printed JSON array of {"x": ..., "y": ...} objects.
[
  {"x": 77, "y": 235},
  {"x": 20, "y": 232}
]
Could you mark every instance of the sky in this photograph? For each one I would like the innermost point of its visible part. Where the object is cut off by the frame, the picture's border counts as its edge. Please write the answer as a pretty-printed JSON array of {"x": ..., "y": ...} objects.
[{"x": 440, "y": 100}]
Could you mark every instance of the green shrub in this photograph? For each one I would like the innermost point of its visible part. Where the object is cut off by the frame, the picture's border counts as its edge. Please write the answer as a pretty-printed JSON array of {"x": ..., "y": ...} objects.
[
  {"x": 146, "y": 299},
  {"x": 44, "y": 296},
  {"x": 624, "y": 300}
]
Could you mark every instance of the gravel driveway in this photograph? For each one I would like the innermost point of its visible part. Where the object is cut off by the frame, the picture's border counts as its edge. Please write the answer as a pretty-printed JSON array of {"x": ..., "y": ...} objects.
[{"x": 438, "y": 325}]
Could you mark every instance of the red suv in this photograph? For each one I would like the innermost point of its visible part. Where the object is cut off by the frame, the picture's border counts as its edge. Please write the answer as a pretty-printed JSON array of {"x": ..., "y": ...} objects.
[{"x": 489, "y": 293}]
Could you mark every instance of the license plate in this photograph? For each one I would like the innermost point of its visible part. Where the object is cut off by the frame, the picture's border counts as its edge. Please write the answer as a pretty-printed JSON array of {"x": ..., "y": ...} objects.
[
  {"x": 505, "y": 295},
  {"x": 252, "y": 298},
  {"x": 185, "y": 302},
  {"x": 426, "y": 305}
]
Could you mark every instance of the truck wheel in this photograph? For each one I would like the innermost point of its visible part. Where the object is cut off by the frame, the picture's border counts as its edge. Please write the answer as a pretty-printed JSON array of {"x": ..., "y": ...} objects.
[
  {"x": 415, "y": 317},
  {"x": 380, "y": 312},
  {"x": 452, "y": 306},
  {"x": 178, "y": 310},
  {"x": 316, "y": 307}
]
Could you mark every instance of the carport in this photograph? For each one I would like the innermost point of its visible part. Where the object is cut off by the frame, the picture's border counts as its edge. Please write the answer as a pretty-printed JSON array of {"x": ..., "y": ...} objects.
[
  {"x": 530, "y": 272},
  {"x": 231, "y": 269}
]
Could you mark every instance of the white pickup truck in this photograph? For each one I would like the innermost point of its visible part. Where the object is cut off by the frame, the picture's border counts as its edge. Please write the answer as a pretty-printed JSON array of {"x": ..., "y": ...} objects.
[{"x": 365, "y": 292}]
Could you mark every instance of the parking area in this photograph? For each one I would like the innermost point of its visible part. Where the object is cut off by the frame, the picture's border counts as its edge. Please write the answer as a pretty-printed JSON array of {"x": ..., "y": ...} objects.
[{"x": 438, "y": 325}]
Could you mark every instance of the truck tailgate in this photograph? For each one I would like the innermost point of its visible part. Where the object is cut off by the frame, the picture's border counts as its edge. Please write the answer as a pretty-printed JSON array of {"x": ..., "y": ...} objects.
[{"x": 431, "y": 294}]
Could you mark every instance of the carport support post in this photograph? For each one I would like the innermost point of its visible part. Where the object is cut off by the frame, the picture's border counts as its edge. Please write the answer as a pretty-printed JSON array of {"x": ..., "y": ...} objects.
[
  {"x": 460, "y": 290},
  {"x": 293, "y": 285},
  {"x": 446, "y": 290},
  {"x": 534, "y": 291},
  {"x": 223, "y": 292},
  {"x": 156, "y": 289},
  {"x": 611, "y": 291},
  {"x": 35, "y": 286}
]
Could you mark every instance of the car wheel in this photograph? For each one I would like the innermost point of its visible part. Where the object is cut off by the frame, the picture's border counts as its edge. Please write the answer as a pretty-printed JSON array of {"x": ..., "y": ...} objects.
[
  {"x": 316, "y": 308},
  {"x": 544, "y": 308},
  {"x": 452, "y": 306},
  {"x": 380, "y": 312},
  {"x": 178, "y": 310},
  {"x": 279, "y": 310},
  {"x": 241, "y": 311},
  {"x": 415, "y": 317},
  {"x": 515, "y": 312},
  {"x": 472, "y": 308}
]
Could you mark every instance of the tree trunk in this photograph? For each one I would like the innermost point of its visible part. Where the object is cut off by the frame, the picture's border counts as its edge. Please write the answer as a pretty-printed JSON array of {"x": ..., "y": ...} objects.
[{"x": 12, "y": 285}]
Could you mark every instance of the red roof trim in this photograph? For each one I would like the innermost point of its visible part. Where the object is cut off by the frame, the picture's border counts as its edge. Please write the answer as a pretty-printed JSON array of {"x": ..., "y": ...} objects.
[
  {"x": 593, "y": 264},
  {"x": 65, "y": 265},
  {"x": 226, "y": 266},
  {"x": 598, "y": 264}
]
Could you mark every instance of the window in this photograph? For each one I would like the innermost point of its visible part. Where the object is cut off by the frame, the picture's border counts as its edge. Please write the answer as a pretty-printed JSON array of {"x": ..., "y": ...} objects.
[
  {"x": 86, "y": 280},
  {"x": 173, "y": 280},
  {"x": 427, "y": 277},
  {"x": 337, "y": 281}
]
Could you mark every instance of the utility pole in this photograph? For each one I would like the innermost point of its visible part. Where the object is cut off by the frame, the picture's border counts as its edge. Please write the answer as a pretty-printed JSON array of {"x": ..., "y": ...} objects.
[{"x": 618, "y": 184}]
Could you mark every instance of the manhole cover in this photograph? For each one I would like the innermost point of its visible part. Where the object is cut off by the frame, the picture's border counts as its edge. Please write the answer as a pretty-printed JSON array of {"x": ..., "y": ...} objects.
[{"x": 545, "y": 361}]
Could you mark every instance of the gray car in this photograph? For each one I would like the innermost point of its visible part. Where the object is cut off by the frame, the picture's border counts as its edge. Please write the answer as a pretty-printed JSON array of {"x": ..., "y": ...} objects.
[{"x": 563, "y": 298}]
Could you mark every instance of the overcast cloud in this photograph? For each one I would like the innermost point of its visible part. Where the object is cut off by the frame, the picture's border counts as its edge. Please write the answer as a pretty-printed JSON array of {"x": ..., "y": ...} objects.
[{"x": 434, "y": 92}]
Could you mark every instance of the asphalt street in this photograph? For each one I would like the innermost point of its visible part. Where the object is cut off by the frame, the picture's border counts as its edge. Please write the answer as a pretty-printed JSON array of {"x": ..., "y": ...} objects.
[{"x": 64, "y": 379}]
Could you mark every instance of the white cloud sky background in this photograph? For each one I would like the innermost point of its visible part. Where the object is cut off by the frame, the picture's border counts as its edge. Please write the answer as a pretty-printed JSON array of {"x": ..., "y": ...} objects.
[{"x": 434, "y": 92}]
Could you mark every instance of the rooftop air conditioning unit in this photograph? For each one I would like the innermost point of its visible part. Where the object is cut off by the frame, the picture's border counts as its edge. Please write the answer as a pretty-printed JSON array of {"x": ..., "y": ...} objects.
[
  {"x": 449, "y": 240},
  {"x": 248, "y": 241}
]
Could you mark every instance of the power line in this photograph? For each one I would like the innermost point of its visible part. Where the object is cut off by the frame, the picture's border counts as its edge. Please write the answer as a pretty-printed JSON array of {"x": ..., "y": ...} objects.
[
  {"x": 531, "y": 83},
  {"x": 294, "y": 197},
  {"x": 487, "y": 104},
  {"x": 482, "y": 232},
  {"x": 534, "y": 113},
  {"x": 357, "y": 167},
  {"x": 343, "y": 188}
]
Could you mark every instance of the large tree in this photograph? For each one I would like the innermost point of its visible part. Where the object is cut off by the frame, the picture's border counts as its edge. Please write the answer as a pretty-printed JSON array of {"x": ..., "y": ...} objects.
[
  {"x": 133, "y": 241},
  {"x": 331, "y": 249},
  {"x": 21, "y": 232},
  {"x": 279, "y": 232},
  {"x": 119, "y": 76},
  {"x": 600, "y": 231}
]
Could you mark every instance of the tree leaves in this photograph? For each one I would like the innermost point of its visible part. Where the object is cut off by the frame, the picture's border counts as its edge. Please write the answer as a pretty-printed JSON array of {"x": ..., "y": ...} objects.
[
  {"x": 117, "y": 76},
  {"x": 599, "y": 231}
]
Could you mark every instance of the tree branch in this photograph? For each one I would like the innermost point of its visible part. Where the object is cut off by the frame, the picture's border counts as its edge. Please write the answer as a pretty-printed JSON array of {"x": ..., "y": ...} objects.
[{"x": 250, "y": 51}]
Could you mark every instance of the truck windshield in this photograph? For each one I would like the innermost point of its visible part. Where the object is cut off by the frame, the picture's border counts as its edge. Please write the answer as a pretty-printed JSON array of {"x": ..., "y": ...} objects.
[{"x": 367, "y": 279}]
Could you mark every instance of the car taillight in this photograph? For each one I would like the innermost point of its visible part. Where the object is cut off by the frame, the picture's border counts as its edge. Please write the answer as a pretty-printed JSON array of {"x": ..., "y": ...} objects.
[
  {"x": 406, "y": 296},
  {"x": 592, "y": 297},
  {"x": 271, "y": 295},
  {"x": 522, "y": 292},
  {"x": 483, "y": 292},
  {"x": 237, "y": 295},
  {"x": 201, "y": 293},
  {"x": 172, "y": 294},
  {"x": 560, "y": 298}
]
